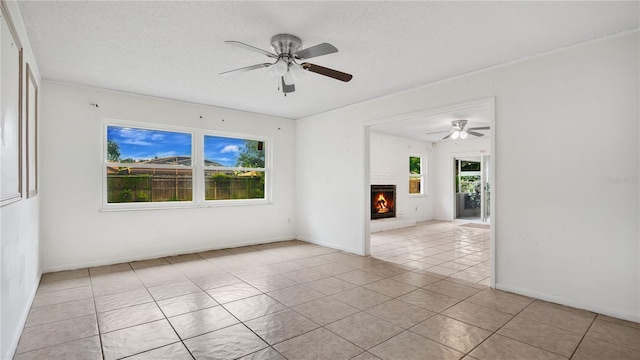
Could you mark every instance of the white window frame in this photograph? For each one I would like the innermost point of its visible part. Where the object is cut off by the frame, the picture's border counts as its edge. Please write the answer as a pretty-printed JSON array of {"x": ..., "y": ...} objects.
[
  {"x": 420, "y": 176},
  {"x": 267, "y": 173},
  {"x": 197, "y": 167}
]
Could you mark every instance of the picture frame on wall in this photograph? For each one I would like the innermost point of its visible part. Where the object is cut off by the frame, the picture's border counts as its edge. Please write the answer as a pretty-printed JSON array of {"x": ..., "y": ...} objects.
[
  {"x": 32, "y": 133},
  {"x": 10, "y": 111}
]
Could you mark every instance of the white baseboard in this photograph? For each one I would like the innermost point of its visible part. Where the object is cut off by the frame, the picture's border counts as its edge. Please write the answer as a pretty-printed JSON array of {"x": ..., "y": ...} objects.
[
  {"x": 331, "y": 245},
  {"x": 161, "y": 254},
  {"x": 13, "y": 345},
  {"x": 569, "y": 302}
]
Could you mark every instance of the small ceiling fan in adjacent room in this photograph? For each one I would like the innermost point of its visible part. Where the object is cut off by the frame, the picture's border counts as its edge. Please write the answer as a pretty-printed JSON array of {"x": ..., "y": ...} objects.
[
  {"x": 288, "y": 62},
  {"x": 459, "y": 131}
]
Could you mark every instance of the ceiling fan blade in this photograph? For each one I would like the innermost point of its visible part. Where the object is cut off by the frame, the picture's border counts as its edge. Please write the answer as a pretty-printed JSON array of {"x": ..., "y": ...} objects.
[
  {"x": 252, "y": 48},
  {"x": 471, "y": 132},
  {"x": 448, "y": 135},
  {"x": 480, "y": 128},
  {"x": 245, "y": 69},
  {"x": 338, "y": 75},
  {"x": 287, "y": 88},
  {"x": 314, "y": 51},
  {"x": 436, "y": 132}
]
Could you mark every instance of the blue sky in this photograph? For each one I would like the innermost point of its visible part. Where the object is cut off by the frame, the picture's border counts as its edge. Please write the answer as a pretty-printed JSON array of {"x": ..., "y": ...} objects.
[
  {"x": 143, "y": 144},
  {"x": 222, "y": 150}
]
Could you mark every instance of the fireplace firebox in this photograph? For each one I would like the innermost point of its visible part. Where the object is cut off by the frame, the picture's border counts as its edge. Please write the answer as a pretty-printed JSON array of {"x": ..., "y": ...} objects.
[{"x": 383, "y": 201}]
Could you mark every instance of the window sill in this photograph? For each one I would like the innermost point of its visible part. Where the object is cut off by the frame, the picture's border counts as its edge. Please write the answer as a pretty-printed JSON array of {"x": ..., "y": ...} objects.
[{"x": 182, "y": 205}]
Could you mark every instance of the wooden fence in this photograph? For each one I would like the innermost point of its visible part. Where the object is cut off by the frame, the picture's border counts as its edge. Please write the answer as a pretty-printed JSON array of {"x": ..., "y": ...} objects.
[{"x": 158, "y": 188}]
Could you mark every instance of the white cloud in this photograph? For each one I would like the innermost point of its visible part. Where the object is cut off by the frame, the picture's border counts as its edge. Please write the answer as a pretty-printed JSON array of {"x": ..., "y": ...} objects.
[
  {"x": 134, "y": 136},
  {"x": 157, "y": 137},
  {"x": 230, "y": 148}
]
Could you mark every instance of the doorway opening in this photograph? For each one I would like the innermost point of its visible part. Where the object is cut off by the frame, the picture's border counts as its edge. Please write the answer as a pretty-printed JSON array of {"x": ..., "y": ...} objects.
[
  {"x": 472, "y": 188},
  {"x": 433, "y": 211}
]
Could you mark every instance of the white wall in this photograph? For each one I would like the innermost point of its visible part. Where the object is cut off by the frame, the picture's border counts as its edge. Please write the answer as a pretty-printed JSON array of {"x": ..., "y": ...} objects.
[
  {"x": 329, "y": 162},
  {"x": 444, "y": 153},
  {"x": 19, "y": 233},
  {"x": 566, "y": 128},
  {"x": 389, "y": 164},
  {"x": 77, "y": 234}
]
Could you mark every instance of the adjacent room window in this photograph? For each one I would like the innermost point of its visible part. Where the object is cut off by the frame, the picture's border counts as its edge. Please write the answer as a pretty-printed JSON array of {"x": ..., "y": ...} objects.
[
  {"x": 234, "y": 168},
  {"x": 416, "y": 176},
  {"x": 146, "y": 165}
]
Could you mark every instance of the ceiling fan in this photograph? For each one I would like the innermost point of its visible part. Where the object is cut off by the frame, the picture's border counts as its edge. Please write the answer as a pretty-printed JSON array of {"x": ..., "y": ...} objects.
[
  {"x": 288, "y": 64},
  {"x": 459, "y": 131}
]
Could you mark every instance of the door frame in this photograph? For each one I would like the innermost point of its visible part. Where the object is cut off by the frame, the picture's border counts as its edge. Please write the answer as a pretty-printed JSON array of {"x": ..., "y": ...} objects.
[
  {"x": 483, "y": 182},
  {"x": 491, "y": 102}
]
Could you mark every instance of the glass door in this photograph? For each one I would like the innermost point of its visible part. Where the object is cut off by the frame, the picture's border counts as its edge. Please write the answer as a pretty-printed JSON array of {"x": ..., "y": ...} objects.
[
  {"x": 468, "y": 193},
  {"x": 486, "y": 189},
  {"x": 472, "y": 190}
]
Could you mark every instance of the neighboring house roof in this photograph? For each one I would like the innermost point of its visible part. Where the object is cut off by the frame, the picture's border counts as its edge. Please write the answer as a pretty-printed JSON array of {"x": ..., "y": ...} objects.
[
  {"x": 174, "y": 160},
  {"x": 171, "y": 160},
  {"x": 131, "y": 168}
]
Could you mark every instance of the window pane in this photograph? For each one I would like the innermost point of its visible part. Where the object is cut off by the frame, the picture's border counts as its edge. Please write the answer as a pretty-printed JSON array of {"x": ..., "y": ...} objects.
[
  {"x": 232, "y": 152},
  {"x": 233, "y": 185},
  {"x": 470, "y": 166},
  {"x": 132, "y": 145},
  {"x": 135, "y": 184},
  {"x": 468, "y": 184},
  {"x": 414, "y": 185},
  {"x": 414, "y": 165}
]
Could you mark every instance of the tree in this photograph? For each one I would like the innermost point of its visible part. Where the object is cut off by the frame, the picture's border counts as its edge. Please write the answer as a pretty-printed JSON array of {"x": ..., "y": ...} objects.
[
  {"x": 113, "y": 151},
  {"x": 251, "y": 154},
  {"x": 414, "y": 165}
]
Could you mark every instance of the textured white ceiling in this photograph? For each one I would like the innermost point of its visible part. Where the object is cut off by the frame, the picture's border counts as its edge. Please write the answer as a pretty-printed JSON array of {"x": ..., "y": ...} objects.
[
  {"x": 423, "y": 128},
  {"x": 176, "y": 49}
]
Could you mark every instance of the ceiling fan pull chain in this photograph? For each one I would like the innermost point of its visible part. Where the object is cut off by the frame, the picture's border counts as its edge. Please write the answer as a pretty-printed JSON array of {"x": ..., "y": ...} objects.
[{"x": 279, "y": 89}]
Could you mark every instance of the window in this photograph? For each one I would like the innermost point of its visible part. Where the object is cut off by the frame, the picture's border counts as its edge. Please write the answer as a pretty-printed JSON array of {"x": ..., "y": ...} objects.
[
  {"x": 469, "y": 165},
  {"x": 145, "y": 165},
  {"x": 233, "y": 168},
  {"x": 162, "y": 166},
  {"x": 416, "y": 177}
]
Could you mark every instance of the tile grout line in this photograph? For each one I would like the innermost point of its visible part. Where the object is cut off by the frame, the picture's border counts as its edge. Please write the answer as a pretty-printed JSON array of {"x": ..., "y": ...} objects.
[
  {"x": 93, "y": 299},
  {"x": 583, "y": 336},
  {"x": 163, "y": 314},
  {"x": 498, "y": 329},
  {"x": 146, "y": 322},
  {"x": 574, "y": 350},
  {"x": 240, "y": 321}
]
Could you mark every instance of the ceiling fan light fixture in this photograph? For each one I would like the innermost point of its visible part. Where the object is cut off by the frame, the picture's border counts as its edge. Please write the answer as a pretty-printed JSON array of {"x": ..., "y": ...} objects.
[
  {"x": 463, "y": 134},
  {"x": 281, "y": 67},
  {"x": 455, "y": 134},
  {"x": 288, "y": 78},
  {"x": 297, "y": 71}
]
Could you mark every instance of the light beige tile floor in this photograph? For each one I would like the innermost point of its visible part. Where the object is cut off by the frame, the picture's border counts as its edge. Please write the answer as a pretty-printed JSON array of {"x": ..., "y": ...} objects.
[{"x": 422, "y": 294}]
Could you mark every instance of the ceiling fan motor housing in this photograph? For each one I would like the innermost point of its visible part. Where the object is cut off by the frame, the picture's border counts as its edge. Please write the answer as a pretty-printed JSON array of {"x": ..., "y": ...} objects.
[
  {"x": 285, "y": 44},
  {"x": 460, "y": 124}
]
